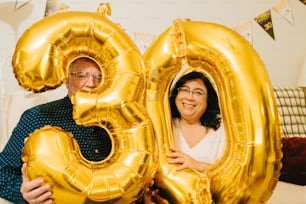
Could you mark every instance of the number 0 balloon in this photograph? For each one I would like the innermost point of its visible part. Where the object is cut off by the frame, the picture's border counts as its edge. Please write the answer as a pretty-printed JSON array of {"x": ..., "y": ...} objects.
[{"x": 249, "y": 168}]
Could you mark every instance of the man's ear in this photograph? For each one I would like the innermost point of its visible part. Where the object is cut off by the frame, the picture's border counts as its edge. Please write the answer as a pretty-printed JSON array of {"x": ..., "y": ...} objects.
[{"x": 66, "y": 82}]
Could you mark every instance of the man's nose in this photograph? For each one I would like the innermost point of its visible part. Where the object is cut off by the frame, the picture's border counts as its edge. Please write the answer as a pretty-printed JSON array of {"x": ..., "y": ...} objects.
[{"x": 91, "y": 82}]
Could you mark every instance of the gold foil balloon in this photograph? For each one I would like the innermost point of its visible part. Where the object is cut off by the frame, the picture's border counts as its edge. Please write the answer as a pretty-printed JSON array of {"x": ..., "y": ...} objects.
[
  {"x": 41, "y": 61},
  {"x": 249, "y": 168}
]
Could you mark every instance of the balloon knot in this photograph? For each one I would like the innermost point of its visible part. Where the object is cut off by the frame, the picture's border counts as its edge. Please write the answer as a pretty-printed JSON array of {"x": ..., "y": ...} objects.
[{"x": 104, "y": 9}]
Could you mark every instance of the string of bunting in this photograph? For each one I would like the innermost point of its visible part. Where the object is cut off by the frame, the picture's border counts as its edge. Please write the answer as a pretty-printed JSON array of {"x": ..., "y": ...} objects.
[{"x": 264, "y": 20}]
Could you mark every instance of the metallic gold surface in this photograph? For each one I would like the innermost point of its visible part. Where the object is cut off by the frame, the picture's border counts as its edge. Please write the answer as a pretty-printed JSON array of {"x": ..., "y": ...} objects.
[
  {"x": 41, "y": 60},
  {"x": 250, "y": 166}
]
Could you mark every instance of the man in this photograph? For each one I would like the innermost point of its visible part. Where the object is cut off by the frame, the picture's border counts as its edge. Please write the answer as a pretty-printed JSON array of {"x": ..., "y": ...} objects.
[{"x": 94, "y": 142}]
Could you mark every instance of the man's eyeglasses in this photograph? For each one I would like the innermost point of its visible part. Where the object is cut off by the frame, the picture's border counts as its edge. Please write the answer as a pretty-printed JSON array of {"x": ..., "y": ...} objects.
[
  {"x": 198, "y": 93},
  {"x": 83, "y": 75}
]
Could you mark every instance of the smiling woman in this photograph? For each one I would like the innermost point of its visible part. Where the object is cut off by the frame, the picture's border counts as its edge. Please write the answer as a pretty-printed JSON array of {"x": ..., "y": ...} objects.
[{"x": 198, "y": 132}]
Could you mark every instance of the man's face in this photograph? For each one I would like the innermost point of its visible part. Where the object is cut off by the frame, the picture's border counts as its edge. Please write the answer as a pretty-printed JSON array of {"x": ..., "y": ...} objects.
[{"x": 83, "y": 75}]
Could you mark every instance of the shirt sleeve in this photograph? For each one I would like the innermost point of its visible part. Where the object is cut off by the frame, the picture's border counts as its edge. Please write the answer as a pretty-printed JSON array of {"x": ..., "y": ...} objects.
[{"x": 11, "y": 162}]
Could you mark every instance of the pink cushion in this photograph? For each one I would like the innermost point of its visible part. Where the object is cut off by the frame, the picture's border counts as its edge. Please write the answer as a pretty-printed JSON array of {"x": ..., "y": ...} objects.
[{"x": 294, "y": 160}]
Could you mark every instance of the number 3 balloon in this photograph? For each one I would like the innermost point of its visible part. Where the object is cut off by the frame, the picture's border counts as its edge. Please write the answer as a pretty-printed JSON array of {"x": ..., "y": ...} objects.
[
  {"x": 41, "y": 60},
  {"x": 250, "y": 165}
]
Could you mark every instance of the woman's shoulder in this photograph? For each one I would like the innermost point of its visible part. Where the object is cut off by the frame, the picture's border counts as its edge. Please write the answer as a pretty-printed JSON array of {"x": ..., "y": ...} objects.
[
  {"x": 220, "y": 133},
  {"x": 221, "y": 127}
]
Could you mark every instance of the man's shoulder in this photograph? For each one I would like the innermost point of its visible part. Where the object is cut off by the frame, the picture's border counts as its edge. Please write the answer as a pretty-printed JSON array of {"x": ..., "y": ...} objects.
[{"x": 59, "y": 104}]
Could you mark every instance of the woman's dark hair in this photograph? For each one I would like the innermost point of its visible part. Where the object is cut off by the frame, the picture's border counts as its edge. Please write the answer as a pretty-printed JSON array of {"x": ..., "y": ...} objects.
[{"x": 211, "y": 118}]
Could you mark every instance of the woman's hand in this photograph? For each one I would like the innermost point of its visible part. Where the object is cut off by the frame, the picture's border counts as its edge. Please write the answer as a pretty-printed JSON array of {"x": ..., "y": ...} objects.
[
  {"x": 35, "y": 191},
  {"x": 185, "y": 161}
]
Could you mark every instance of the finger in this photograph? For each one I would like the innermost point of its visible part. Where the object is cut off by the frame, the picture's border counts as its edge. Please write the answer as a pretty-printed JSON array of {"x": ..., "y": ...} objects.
[
  {"x": 146, "y": 190},
  {"x": 159, "y": 200},
  {"x": 151, "y": 183},
  {"x": 39, "y": 194},
  {"x": 32, "y": 189},
  {"x": 174, "y": 149},
  {"x": 147, "y": 197},
  {"x": 173, "y": 155},
  {"x": 33, "y": 201},
  {"x": 45, "y": 197},
  {"x": 24, "y": 171},
  {"x": 34, "y": 184},
  {"x": 37, "y": 201},
  {"x": 176, "y": 154},
  {"x": 181, "y": 167},
  {"x": 154, "y": 192},
  {"x": 177, "y": 160}
]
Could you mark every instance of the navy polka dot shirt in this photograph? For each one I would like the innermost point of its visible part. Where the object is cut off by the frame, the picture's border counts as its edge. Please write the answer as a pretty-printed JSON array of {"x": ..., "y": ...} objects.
[{"x": 94, "y": 142}]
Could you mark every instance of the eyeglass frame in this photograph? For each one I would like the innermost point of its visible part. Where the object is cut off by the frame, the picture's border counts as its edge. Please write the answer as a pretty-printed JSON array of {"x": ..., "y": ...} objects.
[
  {"x": 96, "y": 76},
  {"x": 197, "y": 93}
]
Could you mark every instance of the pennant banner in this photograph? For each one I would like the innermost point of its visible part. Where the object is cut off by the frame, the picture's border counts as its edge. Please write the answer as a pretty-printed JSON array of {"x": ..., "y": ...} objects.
[
  {"x": 265, "y": 21},
  {"x": 245, "y": 30},
  {"x": 54, "y": 6},
  {"x": 21, "y": 3},
  {"x": 283, "y": 9}
]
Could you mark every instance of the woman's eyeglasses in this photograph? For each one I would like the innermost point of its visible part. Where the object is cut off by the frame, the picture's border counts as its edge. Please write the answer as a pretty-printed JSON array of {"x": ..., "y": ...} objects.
[{"x": 198, "y": 93}]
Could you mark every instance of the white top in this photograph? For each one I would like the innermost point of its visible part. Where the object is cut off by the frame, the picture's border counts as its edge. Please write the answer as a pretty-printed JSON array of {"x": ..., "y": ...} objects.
[{"x": 209, "y": 149}]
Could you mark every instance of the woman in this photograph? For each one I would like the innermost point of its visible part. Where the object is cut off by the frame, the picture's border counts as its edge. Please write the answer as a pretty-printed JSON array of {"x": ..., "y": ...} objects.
[{"x": 198, "y": 132}]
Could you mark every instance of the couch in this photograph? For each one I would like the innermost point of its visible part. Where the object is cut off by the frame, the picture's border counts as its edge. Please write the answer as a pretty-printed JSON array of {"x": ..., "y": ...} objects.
[{"x": 291, "y": 187}]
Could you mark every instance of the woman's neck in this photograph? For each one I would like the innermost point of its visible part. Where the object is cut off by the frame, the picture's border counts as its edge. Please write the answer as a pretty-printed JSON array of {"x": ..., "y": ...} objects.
[
  {"x": 193, "y": 131},
  {"x": 189, "y": 122}
]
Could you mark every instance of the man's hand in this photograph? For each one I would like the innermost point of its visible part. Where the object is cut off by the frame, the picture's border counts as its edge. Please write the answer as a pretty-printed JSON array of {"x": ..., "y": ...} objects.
[
  {"x": 151, "y": 196},
  {"x": 35, "y": 191}
]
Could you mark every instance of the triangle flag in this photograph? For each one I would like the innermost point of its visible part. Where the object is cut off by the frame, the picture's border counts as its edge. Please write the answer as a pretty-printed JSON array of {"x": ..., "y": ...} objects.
[
  {"x": 303, "y": 1},
  {"x": 283, "y": 9},
  {"x": 21, "y": 3},
  {"x": 54, "y": 6},
  {"x": 245, "y": 30},
  {"x": 265, "y": 21}
]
